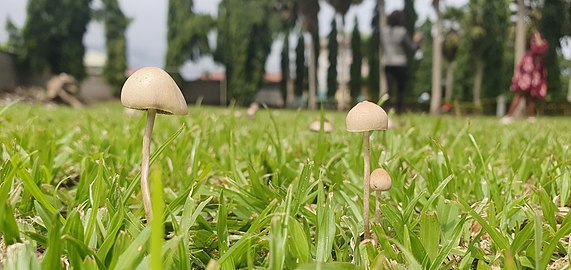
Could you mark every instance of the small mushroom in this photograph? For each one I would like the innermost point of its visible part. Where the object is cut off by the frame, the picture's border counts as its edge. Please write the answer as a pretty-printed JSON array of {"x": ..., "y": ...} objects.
[
  {"x": 253, "y": 109},
  {"x": 315, "y": 126},
  {"x": 153, "y": 90},
  {"x": 365, "y": 117},
  {"x": 380, "y": 181}
]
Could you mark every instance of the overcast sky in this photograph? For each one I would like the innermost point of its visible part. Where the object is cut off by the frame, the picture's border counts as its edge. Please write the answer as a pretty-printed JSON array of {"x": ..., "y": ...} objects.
[{"x": 146, "y": 36}]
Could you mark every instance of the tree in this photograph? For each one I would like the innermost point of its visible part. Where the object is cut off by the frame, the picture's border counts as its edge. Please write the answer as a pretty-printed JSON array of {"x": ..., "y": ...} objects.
[
  {"x": 450, "y": 50},
  {"x": 187, "y": 36},
  {"x": 355, "y": 82},
  {"x": 436, "y": 96},
  {"x": 244, "y": 42},
  {"x": 116, "y": 24},
  {"x": 284, "y": 63},
  {"x": 373, "y": 81},
  {"x": 341, "y": 7},
  {"x": 333, "y": 49},
  {"x": 287, "y": 10},
  {"x": 452, "y": 18},
  {"x": 53, "y": 36},
  {"x": 300, "y": 66},
  {"x": 476, "y": 34},
  {"x": 495, "y": 26},
  {"x": 309, "y": 10},
  {"x": 410, "y": 25},
  {"x": 551, "y": 26}
]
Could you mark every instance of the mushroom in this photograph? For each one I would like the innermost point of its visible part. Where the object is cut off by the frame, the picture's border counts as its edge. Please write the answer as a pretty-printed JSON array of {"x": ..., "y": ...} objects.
[
  {"x": 380, "y": 181},
  {"x": 365, "y": 117},
  {"x": 315, "y": 126},
  {"x": 153, "y": 90},
  {"x": 253, "y": 109}
]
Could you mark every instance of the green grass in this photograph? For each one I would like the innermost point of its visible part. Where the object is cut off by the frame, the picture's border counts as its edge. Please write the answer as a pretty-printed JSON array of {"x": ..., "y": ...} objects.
[{"x": 267, "y": 193}]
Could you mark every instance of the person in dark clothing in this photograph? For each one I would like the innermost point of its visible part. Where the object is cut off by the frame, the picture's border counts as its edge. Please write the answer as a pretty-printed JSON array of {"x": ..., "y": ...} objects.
[{"x": 396, "y": 42}]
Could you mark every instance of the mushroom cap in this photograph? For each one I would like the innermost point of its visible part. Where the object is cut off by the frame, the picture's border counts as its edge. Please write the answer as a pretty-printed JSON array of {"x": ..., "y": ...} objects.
[
  {"x": 315, "y": 126},
  {"x": 380, "y": 180},
  {"x": 366, "y": 116},
  {"x": 153, "y": 88}
]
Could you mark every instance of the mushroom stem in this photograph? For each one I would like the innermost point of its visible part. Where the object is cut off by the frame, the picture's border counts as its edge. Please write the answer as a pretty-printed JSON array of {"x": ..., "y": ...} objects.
[
  {"x": 145, "y": 163},
  {"x": 378, "y": 208},
  {"x": 366, "y": 184}
]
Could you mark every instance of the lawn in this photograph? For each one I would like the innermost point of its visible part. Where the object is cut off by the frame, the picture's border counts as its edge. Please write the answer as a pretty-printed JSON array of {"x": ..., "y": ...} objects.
[{"x": 243, "y": 193}]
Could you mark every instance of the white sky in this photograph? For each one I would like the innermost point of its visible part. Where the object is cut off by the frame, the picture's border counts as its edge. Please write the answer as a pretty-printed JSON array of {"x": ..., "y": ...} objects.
[{"x": 146, "y": 36}]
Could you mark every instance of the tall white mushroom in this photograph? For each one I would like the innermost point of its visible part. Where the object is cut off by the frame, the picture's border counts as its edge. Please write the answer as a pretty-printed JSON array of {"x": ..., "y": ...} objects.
[
  {"x": 365, "y": 117},
  {"x": 153, "y": 90}
]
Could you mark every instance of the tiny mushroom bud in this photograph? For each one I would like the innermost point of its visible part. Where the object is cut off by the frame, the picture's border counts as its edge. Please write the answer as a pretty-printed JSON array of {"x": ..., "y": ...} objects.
[
  {"x": 380, "y": 180},
  {"x": 153, "y": 90},
  {"x": 365, "y": 117},
  {"x": 315, "y": 126}
]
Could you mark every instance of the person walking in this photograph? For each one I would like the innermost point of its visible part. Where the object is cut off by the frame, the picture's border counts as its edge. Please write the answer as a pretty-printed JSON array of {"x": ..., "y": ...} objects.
[
  {"x": 396, "y": 42},
  {"x": 530, "y": 79}
]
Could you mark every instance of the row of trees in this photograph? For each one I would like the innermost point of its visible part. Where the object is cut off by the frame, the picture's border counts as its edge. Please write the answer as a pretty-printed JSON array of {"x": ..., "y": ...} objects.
[{"x": 476, "y": 41}]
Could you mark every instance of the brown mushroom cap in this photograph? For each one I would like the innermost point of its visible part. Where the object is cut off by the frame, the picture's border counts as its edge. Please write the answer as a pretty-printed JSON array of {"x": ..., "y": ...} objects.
[
  {"x": 153, "y": 88},
  {"x": 366, "y": 116},
  {"x": 380, "y": 180}
]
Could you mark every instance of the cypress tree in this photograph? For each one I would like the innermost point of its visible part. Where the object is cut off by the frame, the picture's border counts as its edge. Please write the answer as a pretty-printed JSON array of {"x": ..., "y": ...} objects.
[
  {"x": 495, "y": 26},
  {"x": 300, "y": 66},
  {"x": 115, "y": 44},
  {"x": 284, "y": 62},
  {"x": 410, "y": 17},
  {"x": 355, "y": 83},
  {"x": 333, "y": 48},
  {"x": 373, "y": 56},
  {"x": 551, "y": 27}
]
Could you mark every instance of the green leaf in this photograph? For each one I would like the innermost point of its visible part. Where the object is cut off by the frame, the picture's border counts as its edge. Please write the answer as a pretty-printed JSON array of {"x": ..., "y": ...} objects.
[
  {"x": 325, "y": 228},
  {"x": 21, "y": 256},
  {"x": 134, "y": 252},
  {"x": 329, "y": 266},
  {"x": 54, "y": 251},
  {"x": 430, "y": 233}
]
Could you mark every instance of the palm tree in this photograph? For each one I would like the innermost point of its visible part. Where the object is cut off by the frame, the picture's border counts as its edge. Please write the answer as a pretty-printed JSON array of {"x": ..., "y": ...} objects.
[{"x": 452, "y": 17}]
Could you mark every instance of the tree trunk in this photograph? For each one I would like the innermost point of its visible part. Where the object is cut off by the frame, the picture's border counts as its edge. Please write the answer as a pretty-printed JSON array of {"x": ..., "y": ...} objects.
[
  {"x": 436, "y": 96},
  {"x": 383, "y": 89},
  {"x": 478, "y": 83},
  {"x": 289, "y": 92},
  {"x": 520, "y": 33},
  {"x": 449, "y": 81},
  {"x": 312, "y": 73}
]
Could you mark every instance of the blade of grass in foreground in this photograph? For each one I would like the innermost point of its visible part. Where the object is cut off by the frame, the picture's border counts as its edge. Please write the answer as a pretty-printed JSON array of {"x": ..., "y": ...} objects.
[
  {"x": 222, "y": 230},
  {"x": 157, "y": 227}
]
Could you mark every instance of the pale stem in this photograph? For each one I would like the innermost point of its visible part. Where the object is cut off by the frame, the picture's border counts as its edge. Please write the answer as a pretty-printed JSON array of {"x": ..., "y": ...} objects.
[
  {"x": 377, "y": 212},
  {"x": 366, "y": 184},
  {"x": 145, "y": 164}
]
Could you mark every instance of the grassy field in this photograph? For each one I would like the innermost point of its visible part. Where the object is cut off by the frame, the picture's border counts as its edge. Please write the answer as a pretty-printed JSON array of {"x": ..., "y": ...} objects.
[{"x": 267, "y": 193}]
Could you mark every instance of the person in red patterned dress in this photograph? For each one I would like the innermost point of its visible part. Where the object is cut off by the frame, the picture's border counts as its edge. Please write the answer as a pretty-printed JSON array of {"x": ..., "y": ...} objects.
[{"x": 530, "y": 78}]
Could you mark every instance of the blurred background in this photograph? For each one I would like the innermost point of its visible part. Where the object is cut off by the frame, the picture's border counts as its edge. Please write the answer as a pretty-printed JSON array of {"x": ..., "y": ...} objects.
[{"x": 284, "y": 53}]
